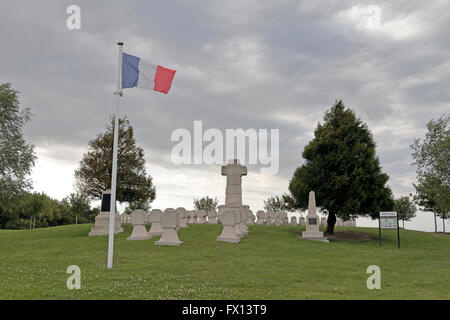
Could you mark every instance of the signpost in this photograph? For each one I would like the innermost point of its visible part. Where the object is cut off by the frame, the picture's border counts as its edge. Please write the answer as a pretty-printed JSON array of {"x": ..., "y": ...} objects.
[{"x": 388, "y": 220}]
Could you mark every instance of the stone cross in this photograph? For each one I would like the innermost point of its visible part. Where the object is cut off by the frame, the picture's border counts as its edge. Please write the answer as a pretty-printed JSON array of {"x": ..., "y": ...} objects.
[{"x": 233, "y": 193}]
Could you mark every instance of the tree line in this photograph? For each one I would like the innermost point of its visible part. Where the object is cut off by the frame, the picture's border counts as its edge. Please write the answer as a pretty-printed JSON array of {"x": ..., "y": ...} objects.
[{"x": 33, "y": 210}]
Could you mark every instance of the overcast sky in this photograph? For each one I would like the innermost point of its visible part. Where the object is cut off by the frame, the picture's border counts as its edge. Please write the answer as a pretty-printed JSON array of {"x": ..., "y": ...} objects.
[{"x": 240, "y": 64}]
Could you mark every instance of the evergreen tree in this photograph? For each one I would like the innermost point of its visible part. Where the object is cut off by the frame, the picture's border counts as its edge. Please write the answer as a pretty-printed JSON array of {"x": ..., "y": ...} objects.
[{"x": 341, "y": 167}]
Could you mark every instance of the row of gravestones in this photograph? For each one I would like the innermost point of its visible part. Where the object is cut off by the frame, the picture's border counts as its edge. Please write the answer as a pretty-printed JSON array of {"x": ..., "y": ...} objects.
[
  {"x": 193, "y": 216},
  {"x": 166, "y": 224},
  {"x": 234, "y": 222},
  {"x": 188, "y": 216},
  {"x": 270, "y": 218}
]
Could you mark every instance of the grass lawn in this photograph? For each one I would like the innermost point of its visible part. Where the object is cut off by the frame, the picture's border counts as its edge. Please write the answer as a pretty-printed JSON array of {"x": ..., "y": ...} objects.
[{"x": 269, "y": 263}]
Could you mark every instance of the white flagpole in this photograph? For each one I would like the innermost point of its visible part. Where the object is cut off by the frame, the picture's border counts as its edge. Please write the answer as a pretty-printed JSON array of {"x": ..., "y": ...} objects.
[{"x": 112, "y": 211}]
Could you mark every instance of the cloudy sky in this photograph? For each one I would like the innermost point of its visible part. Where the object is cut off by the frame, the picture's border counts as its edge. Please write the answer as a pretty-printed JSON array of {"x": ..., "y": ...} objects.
[{"x": 240, "y": 64}]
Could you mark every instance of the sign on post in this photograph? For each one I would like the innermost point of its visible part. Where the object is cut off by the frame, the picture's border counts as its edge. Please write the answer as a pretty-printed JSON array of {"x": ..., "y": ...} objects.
[{"x": 388, "y": 220}]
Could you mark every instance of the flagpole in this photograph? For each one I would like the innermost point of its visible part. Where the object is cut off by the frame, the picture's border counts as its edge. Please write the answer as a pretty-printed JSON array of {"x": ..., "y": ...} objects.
[{"x": 112, "y": 211}]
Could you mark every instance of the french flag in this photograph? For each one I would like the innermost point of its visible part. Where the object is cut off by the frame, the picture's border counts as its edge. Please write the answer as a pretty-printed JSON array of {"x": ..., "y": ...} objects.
[{"x": 137, "y": 72}]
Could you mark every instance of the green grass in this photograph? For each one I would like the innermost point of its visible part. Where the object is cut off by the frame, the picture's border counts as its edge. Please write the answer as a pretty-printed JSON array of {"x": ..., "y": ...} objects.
[{"x": 269, "y": 263}]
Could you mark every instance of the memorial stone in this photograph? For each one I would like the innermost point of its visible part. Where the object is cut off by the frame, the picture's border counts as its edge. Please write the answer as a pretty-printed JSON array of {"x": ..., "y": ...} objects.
[
  {"x": 155, "y": 220},
  {"x": 293, "y": 221},
  {"x": 138, "y": 219},
  {"x": 169, "y": 223},
  {"x": 212, "y": 216},
  {"x": 101, "y": 226},
  {"x": 312, "y": 222},
  {"x": 182, "y": 215},
  {"x": 260, "y": 217},
  {"x": 228, "y": 231},
  {"x": 201, "y": 216}
]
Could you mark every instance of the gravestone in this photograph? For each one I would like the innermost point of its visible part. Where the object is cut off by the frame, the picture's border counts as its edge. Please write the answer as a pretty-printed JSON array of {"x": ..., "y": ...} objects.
[
  {"x": 273, "y": 217},
  {"x": 301, "y": 221},
  {"x": 250, "y": 217},
  {"x": 169, "y": 223},
  {"x": 189, "y": 216},
  {"x": 285, "y": 218},
  {"x": 220, "y": 211},
  {"x": 237, "y": 220},
  {"x": 260, "y": 217},
  {"x": 243, "y": 218},
  {"x": 172, "y": 210},
  {"x": 212, "y": 216},
  {"x": 201, "y": 216},
  {"x": 312, "y": 221},
  {"x": 228, "y": 231},
  {"x": 293, "y": 221},
  {"x": 277, "y": 218},
  {"x": 138, "y": 219},
  {"x": 155, "y": 220},
  {"x": 101, "y": 226},
  {"x": 194, "y": 216},
  {"x": 182, "y": 215},
  {"x": 323, "y": 221}
]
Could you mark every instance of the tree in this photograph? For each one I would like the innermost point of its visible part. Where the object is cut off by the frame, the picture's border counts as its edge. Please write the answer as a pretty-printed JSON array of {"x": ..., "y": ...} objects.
[
  {"x": 431, "y": 155},
  {"x": 17, "y": 158},
  {"x": 275, "y": 204},
  {"x": 341, "y": 167},
  {"x": 206, "y": 203},
  {"x": 94, "y": 174},
  {"x": 426, "y": 195},
  {"x": 406, "y": 210},
  {"x": 78, "y": 209}
]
